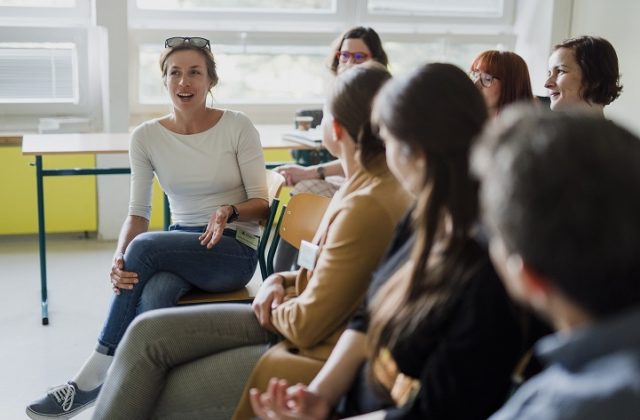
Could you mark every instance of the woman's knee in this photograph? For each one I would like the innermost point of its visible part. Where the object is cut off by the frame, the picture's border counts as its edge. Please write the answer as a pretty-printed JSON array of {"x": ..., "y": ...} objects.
[
  {"x": 144, "y": 327},
  {"x": 163, "y": 290}
]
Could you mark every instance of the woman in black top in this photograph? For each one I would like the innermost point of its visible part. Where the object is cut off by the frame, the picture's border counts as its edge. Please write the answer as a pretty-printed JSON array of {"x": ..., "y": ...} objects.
[{"x": 440, "y": 338}]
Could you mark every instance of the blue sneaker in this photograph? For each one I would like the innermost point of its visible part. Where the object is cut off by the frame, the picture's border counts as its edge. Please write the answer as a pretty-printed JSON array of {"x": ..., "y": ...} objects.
[{"x": 62, "y": 402}]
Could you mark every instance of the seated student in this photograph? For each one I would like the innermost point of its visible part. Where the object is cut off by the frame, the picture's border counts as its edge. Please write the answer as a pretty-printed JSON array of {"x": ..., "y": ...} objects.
[
  {"x": 194, "y": 362},
  {"x": 583, "y": 74},
  {"x": 440, "y": 337},
  {"x": 354, "y": 46},
  {"x": 210, "y": 163},
  {"x": 503, "y": 79},
  {"x": 561, "y": 194}
]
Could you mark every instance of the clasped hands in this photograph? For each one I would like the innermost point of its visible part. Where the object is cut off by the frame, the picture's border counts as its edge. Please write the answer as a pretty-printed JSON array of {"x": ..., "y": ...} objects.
[{"x": 285, "y": 402}]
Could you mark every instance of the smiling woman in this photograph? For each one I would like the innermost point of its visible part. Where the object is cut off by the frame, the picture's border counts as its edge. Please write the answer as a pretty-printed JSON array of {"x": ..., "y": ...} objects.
[
  {"x": 583, "y": 74},
  {"x": 209, "y": 162}
]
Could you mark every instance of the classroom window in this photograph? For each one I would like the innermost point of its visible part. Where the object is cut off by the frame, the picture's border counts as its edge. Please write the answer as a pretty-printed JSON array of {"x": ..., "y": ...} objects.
[
  {"x": 248, "y": 74},
  {"x": 438, "y": 7},
  {"x": 279, "y": 57},
  {"x": 265, "y": 5},
  {"x": 405, "y": 56},
  {"x": 38, "y": 73},
  {"x": 38, "y": 3}
]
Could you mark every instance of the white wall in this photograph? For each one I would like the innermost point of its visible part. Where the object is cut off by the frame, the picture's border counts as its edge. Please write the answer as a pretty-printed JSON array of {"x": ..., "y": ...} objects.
[
  {"x": 113, "y": 190},
  {"x": 538, "y": 25},
  {"x": 617, "y": 21}
]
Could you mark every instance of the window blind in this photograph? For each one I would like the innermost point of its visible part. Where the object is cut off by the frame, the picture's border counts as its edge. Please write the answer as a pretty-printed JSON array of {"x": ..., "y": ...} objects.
[{"x": 38, "y": 74}]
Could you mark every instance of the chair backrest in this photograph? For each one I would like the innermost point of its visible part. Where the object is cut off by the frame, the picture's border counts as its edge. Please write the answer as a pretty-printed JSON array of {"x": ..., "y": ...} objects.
[
  {"x": 299, "y": 221},
  {"x": 275, "y": 181},
  {"x": 302, "y": 217}
]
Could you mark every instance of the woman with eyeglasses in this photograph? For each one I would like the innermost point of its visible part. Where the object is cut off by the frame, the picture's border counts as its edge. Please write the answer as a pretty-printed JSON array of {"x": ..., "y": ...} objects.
[
  {"x": 437, "y": 336},
  {"x": 209, "y": 162},
  {"x": 502, "y": 77},
  {"x": 583, "y": 75},
  {"x": 353, "y": 47}
]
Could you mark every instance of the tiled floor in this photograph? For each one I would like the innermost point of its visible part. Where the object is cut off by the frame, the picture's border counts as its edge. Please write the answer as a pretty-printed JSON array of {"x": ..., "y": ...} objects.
[{"x": 34, "y": 357}]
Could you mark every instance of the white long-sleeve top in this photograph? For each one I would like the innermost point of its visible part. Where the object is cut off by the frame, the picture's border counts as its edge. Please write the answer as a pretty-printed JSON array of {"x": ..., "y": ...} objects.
[{"x": 198, "y": 172}]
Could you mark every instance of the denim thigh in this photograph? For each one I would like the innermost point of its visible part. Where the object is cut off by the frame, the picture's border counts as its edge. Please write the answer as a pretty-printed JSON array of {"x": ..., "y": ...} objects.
[
  {"x": 162, "y": 290},
  {"x": 226, "y": 267}
]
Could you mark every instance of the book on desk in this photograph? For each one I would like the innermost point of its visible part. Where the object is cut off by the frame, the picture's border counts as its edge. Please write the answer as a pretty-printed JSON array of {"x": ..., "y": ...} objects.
[{"x": 312, "y": 137}]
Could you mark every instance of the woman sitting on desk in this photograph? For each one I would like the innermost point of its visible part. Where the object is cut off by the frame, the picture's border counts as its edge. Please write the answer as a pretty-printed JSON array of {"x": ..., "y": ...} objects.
[{"x": 210, "y": 163}]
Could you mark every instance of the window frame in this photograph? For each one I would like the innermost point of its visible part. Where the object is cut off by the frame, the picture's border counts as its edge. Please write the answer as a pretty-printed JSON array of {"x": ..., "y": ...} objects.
[
  {"x": 36, "y": 16},
  {"x": 33, "y": 34},
  {"x": 299, "y": 28}
]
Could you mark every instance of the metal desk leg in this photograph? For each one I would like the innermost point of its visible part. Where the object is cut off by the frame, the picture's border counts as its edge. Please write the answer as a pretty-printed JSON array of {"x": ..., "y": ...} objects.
[{"x": 42, "y": 242}]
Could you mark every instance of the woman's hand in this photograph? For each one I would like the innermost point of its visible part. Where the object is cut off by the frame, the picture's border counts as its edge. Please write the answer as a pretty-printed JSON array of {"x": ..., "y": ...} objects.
[
  {"x": 269, "y": 296},
  {"x": 215, "y": 227},
  {"x": 121, "y": 279},
  {"x": 284, "y": 402},
  {"x": 296, "y": 173}
]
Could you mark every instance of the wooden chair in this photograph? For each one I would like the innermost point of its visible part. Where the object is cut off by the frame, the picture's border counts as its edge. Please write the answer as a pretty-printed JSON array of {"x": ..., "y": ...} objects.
[
  {"x": 275, "y": 181},
  {"x": 300, "y": 221}
]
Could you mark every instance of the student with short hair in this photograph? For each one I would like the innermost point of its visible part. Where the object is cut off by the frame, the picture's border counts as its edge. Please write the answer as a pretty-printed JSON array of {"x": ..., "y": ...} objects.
[
  {"x": 561, "y": 195},
  {"x": 583, "y": 74}
]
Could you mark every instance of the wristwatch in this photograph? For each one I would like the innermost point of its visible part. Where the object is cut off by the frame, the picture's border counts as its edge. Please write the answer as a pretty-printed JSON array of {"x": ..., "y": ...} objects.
[
  {"x": 234, "y": 213},
  {"x": 320, "y": 171}
]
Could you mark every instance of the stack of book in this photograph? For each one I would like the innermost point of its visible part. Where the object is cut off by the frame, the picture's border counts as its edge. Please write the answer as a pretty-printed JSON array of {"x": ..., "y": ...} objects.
[{"x": 312, "y": 137}]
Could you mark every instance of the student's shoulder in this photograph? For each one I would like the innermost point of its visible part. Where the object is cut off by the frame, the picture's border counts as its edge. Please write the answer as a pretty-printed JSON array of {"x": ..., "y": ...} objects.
[
  {"x": 384, "y": 194},
  {"x": 608, "y": 387},
  {"x": 146, "y": 129},
  {"x": 236, "y": 118}
]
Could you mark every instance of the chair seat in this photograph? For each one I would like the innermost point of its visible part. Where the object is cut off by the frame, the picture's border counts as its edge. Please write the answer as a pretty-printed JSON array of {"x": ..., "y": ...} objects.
[{"x": 246, "y": 294}]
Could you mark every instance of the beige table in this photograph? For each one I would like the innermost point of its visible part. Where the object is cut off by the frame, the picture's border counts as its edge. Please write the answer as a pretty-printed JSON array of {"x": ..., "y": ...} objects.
[{"x": 39, "y": 145}]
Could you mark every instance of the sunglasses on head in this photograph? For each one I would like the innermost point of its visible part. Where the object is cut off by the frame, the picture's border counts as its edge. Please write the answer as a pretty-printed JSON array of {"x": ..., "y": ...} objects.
[{"x": 195, "y": 41}]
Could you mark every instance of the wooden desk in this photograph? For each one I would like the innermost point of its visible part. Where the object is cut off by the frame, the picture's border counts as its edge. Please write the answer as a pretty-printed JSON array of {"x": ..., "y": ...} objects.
[{"x": 57, "y": 144}]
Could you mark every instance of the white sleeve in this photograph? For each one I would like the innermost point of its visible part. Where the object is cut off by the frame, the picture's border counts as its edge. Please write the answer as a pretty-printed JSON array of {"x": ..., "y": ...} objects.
[
  {"x": 141, "y": 175},
  {"x": 251, "y": 160}
]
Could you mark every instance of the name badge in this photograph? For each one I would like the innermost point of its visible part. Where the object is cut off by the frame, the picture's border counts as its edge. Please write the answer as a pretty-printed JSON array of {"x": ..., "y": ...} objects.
[
  {"x": 308, "y": 255},
  {"x": 247, "y": 239}
]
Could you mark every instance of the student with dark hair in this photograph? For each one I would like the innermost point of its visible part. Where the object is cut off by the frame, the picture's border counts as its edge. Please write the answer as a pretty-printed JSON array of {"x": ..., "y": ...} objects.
[
  {"x": 210, "y": 163},
  {"x": 193, "y": 363},
  {"x": 353, "y": 47},
  {"x": 437, "y": 337},
  {"x": 561, "y": 195},
  {"x": 583, "y": 74},
  {"x": 503, "y": 79}
]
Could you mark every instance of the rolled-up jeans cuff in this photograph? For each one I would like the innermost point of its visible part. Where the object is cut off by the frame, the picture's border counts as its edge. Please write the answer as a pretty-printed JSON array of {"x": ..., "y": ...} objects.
[{"x": 106, "y": 350}]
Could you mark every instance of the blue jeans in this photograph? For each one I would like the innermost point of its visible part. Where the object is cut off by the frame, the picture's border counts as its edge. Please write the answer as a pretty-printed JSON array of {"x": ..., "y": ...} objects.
[{"x": 169, "y": 264}]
